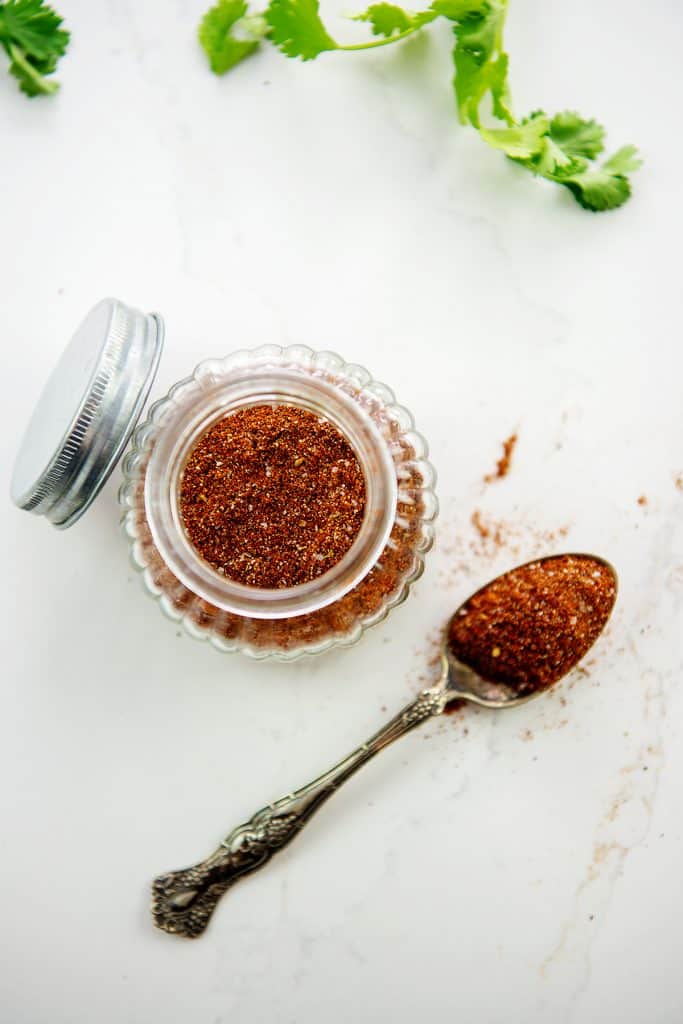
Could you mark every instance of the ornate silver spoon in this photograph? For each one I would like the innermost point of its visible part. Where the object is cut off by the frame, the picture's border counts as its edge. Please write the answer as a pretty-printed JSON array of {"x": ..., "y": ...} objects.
[{"x": 551, "y": 610}]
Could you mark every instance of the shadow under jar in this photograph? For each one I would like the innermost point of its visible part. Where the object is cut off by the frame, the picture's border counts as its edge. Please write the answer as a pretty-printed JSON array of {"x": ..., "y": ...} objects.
[{"x": 375, "y": 573}]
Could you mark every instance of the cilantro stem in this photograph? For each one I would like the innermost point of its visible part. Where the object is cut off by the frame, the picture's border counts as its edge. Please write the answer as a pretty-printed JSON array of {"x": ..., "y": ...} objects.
[
  {"x": 382, "y": 42},
  {"x": 32, "y": 82}
]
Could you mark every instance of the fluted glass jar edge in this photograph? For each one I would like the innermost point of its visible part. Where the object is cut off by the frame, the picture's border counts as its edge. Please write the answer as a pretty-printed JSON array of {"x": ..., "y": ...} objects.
[{"x": 324, "y": 362}]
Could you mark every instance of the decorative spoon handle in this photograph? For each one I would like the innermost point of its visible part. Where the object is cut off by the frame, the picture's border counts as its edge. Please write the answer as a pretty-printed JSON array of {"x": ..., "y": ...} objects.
[{"x": 183, "y": 901}]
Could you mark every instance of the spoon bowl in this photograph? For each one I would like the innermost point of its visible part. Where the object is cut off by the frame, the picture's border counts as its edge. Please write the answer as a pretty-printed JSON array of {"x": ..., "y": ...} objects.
[{"x": 461, "y": 682}]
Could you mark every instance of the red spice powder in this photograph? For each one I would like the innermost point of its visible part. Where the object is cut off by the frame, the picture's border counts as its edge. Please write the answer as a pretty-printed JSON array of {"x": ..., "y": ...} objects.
[
  {"x": 361, "y": 606},
  {"x": 529, "y": 627},
  {"x": 489, "y": 532},
  {"x": 503, "y": 464},
  {"x": 272, "y": 496}
]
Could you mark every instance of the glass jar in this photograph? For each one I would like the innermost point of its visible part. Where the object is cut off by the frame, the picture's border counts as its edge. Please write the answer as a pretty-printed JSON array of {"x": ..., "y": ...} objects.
[{"x": 374, "y": 575}]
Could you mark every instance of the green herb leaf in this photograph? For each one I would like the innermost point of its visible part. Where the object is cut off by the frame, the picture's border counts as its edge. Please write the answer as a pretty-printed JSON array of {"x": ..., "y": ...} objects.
[
  {"x": 33, "y": 39},
  {"x": 552, "y": 162},
  {"x": 34, "y": 27},
  {"x": 500, "y": 91},
  {"x": 595, "y": 187},
  {"x": 521, "y": 142},
  {"x": 388, "y": 20},
  {"x": 624, "y": 161},
  {"x": 576, "y": 136},
  {"x": 217, "y": 34},
  {"x": 385, "y": 19},
  {"x": 605, "y": 187},
  {"x": 480, "y": 61},
  {"x": 460, "y": 10},
  {"x": 296, "y": 28}
]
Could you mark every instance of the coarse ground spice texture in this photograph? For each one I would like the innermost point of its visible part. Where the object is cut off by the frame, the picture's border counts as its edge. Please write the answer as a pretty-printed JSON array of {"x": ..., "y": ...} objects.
[
  {"x": 529, "y": 627},
  {"x": 387, "y": 579},
  {"x": 272, "y": 496}
]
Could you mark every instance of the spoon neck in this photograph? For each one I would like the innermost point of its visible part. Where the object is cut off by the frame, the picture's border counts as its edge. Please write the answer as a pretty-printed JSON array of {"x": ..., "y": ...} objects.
[
  {"x": 306, "y": 800},
  {"x": 427, "y": 704}
]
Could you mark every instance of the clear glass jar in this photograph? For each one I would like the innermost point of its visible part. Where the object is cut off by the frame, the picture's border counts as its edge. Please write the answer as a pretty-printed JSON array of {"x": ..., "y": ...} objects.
[{"x": 376, "y": 573}]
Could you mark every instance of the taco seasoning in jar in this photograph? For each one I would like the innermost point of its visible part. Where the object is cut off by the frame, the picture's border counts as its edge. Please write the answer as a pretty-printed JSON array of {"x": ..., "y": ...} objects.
[
  {"x": 278, "y": 501},
  {"x": 272, "y": 496}
]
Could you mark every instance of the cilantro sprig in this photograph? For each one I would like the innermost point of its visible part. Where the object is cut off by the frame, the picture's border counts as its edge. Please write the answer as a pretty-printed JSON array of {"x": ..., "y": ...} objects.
[
  {"x": 217, "y": 35},
  {"x": 32, "y": 36},
  {"x": 563, "y": 149}
]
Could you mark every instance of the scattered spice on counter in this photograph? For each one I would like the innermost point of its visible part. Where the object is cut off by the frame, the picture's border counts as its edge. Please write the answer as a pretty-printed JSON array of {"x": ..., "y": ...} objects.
[
  {"x": 272, "y": 496},
  {"x": 642, "y": 500},
  {"x": 471, "y": 546},
  {"x": 503, "y": 464},
  {"x": 678, "y": 481},
  {"x": 529, "y": 627},
  {"x": 482, "y": 528},
  {"x": 491, "y": 531}
]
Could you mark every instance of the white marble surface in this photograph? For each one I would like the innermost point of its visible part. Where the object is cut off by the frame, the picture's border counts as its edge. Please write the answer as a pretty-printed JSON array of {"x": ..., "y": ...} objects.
[{"x": 513, "y": 867}]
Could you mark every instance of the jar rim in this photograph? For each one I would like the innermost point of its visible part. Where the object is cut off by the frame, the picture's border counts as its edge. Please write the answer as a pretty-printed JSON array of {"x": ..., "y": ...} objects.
[{"x": 210, "y": 395}]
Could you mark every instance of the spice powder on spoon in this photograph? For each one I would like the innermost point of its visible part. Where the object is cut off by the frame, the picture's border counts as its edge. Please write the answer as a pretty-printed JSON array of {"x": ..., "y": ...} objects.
[
  {"x": 272, "y": 496},
  {"x": 528, "y": 628}
]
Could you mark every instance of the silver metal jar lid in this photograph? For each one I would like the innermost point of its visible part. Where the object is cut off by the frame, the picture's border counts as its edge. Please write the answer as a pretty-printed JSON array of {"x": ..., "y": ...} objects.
[{"x": 87, "y": 412}]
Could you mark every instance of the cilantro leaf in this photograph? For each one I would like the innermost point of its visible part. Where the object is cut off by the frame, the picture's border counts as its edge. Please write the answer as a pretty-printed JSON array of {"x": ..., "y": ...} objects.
[
  {"x": 480, "y": 61},
  {"x": 459, "y": 10},
  {"x": 296, "y": 28},
  {"x": 576, "y": 136},
  {"x": 547, "y": 159},
  {"x": 32, "y": 37},
  {"x": 624, "y": 161},
  {"x": 216, "y": 34},
  {"x": 34, "y": 27},
  {"x": 389, "y": 20},
  {"x": 385, "y": 19},
  {"x": 552, "y": 162},
  {"x": 605, "y": 187},
  {"x": 595, "y": 187},
  {"x": 500, "y": 91},
  {"x": 522, "y": 141}
]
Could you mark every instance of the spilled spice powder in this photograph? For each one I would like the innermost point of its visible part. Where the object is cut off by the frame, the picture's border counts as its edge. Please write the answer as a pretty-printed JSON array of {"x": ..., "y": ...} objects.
[
  {"x": 503, "y": 464},
  {"x": 642, "y": 500},
  {"x": 483, "y": 539},
  {"x": 529, "y": 627},
  {"x": 272, "y": 496},
  {"x": 487, "y": 531}
]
